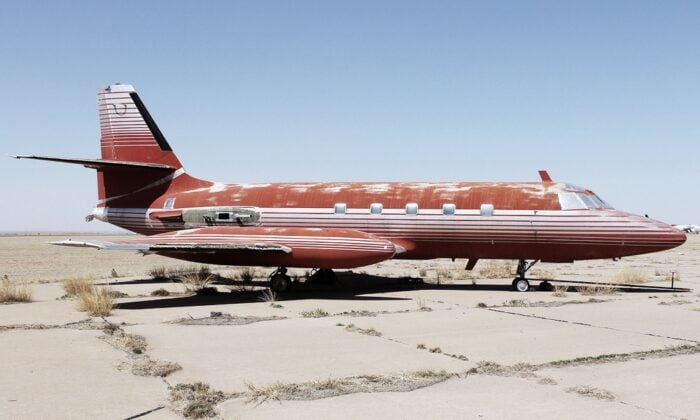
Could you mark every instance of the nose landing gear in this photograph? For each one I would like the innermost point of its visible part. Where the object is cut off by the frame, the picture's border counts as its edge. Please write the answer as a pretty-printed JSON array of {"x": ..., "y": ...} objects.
[{"x": 520, "y": 283}]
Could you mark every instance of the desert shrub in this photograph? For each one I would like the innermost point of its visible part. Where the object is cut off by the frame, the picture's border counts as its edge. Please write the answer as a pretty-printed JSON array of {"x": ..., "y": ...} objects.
[
  {"x": 76, "y": 285},
  {"x": 14, "y": 292},
  {"x": 629, "y": 276},
  {"x": 158, "y": 272},
  {"x": 197, "y": 280},
  {"x": 96, "y": 302},
  {"x": 560, "y": 290}
]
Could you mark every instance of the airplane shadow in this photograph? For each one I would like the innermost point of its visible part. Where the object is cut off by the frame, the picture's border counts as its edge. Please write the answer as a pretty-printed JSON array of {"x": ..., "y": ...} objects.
[{"x": 348, "y": 286}]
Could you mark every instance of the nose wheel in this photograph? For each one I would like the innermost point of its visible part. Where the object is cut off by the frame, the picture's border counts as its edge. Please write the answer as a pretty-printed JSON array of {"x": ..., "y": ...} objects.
[
  {"x": 280, "y": 282},
  {"x": 520, "y": 283}
]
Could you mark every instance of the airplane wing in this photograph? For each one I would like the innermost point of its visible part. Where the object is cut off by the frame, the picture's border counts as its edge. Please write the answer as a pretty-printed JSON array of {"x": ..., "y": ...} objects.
[
  {"x": 174, "y": 247},
  {"x": 281, "y": 247}
]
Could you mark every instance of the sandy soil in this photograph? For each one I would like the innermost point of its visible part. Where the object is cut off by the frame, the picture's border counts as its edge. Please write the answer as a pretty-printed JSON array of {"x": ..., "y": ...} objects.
[{"x": 375, "y": 345}]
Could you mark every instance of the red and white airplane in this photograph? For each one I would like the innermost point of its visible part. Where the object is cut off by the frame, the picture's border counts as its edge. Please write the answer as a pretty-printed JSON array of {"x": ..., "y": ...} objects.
[{"x": 143, "y": 187}]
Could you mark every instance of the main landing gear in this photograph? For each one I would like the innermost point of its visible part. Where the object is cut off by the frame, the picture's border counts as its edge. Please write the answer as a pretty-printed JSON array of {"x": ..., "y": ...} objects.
[
  {"x": 521, "y": 284},
  {"x": 280, "y": 282}
]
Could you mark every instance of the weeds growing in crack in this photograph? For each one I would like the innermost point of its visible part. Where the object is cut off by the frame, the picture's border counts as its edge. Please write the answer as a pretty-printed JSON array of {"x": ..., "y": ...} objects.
[
  {"x": 367, "y": 331},
  {"x": 316, "y": 313},
  {"x": 591, "y": 392},
  {"x": 341, "y": 386},
  {"x": 196, "y": 400},
  {"x": 145, "y": 366}
]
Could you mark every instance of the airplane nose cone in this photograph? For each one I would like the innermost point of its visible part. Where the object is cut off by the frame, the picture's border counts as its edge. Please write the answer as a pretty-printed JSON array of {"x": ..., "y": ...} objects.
[{"x": 677, "y": 236}]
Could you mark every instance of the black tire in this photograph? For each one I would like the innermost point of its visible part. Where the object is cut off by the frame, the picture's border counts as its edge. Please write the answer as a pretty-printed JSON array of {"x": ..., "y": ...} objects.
[
  {"x": 521, "y": 285},
  {"x": 280, "y": 283},
  {"x": 545, "y": 286}
]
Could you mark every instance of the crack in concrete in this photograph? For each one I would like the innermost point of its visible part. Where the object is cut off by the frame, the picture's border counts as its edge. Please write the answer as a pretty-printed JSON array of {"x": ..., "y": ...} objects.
[
  {"x": 135, "y": 416},
  {"x": 592, "y": 325}
]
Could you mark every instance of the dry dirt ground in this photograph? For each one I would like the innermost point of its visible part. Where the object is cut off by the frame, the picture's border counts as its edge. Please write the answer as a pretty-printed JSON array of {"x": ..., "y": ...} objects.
[{"x": 387, "y": 341}]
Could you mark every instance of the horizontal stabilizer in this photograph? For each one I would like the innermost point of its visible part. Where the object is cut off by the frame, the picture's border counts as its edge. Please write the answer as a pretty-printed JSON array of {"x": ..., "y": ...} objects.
[{"x": 100, "y": 163}]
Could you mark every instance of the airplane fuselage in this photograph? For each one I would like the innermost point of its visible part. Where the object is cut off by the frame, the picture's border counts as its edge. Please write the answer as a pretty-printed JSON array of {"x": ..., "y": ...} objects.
[{"x": 548, "y": 221}]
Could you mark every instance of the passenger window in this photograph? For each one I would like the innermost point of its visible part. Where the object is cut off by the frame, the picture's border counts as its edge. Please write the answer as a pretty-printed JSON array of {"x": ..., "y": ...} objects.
[
  {"x": 486, "y": 210},
  {"x": 448, "y": 209},
  {"x": 223, "y": 216},
  {"x": 375, "y": 208},
  {"x": 412, "y": 208},
  {"x": 169, "y": 203},
  {"x": 340, "y": 208}
]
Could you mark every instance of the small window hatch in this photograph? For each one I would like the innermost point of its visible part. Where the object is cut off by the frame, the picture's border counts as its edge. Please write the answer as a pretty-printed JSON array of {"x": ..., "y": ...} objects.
[
  {"x": 412, "y": 208},
  {"x": 448, "y": 209},
  {"x": 375, "y": 208},
  {"x": 169, "y": 203},
  {"x": 223, "y": 216},
  {"x": 486, "y": 210},
  {"x": 340, "y": 208}
]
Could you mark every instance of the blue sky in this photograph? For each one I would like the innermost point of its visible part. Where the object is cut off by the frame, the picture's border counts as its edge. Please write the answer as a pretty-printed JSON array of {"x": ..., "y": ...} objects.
[{"x": 602, "y": 94}]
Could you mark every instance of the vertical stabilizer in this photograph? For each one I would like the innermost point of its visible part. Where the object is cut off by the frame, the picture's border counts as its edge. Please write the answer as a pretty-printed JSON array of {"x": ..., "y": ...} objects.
[{"x": 128, "y": 132}]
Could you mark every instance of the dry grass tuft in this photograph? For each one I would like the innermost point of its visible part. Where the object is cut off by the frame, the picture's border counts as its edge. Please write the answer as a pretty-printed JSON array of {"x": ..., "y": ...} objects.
[
  {"x": 560, "y": 290},
  {"x": 421, "y": 346},
  {"x": 268, "y": 295},
  {"x": 196, "y": 281},
  {"x": 596, "y": 289},
  {"x": 158, "y": 272},
  {"x": 11, "y": 292},
  {"x": 496, "y": 270},
  {"x": 196, "y": 400},
  {"x": 590, "y": 392},
  {"x": 75, "y": 285},
  {"x": 630, "y": 276},
  {"x": 96, "y": 302},
  {"x": 316, "y": 313}
]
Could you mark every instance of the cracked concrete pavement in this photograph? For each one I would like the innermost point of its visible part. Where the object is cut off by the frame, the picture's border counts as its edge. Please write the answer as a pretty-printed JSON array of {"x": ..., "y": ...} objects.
[{"x": 71, "y": 373}]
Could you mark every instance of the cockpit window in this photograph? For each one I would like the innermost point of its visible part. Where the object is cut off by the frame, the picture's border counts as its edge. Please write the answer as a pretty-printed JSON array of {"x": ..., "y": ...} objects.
[
  {"x": 581, "y": 201},
  {"x": 570, "y": 201}
]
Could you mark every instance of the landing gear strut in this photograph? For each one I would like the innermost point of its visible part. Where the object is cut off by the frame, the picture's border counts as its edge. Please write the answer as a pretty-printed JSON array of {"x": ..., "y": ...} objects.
[
  {"x": 280, "y": 282},
  {"x": 520, "y": 283}
]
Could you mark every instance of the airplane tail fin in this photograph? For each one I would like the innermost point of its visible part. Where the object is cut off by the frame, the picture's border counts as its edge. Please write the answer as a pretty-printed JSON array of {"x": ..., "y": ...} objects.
[
  {"x": 138, "y": 165},
  {"x": 127, "y": 130}
]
